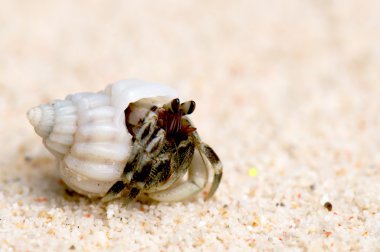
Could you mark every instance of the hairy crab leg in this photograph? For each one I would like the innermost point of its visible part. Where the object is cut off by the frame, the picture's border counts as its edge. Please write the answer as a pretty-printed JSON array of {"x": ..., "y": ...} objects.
[
  {"x": 179, "y": 164},
  {"x": 197, "y": 180},
  {"x": 114, "y": 192},
  {"x": 216, "y": 165},
  {"x": 149, "y": 141},
  {"x": 205, "y": 150}
]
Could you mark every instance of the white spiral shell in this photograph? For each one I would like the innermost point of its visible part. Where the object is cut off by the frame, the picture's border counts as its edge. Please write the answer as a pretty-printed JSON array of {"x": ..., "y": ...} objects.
[{"x": 87, "y": 134}]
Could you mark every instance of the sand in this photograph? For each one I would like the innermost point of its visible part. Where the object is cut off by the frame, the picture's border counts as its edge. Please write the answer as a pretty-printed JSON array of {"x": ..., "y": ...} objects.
[{"x": 287, "y": 94}]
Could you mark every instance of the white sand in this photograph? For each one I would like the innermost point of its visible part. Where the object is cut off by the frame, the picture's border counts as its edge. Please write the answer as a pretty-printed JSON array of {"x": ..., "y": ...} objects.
[{"x": 291, "y": 88}]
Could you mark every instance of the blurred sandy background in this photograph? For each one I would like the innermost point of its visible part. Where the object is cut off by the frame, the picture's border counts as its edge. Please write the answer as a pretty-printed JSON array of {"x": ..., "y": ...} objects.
[{"x": 288, "y": 88}]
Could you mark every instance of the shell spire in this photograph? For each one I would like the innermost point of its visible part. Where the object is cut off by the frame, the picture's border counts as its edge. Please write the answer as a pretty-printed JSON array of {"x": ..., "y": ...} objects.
[
  {"x": 42, "y": 119},
  {"x": 34, "y": 115}
]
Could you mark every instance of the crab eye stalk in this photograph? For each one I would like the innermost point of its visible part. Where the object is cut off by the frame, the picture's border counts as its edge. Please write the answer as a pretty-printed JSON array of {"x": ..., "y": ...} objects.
[
  {"x": 172, "y": 106},
  {"x": 187, "y": 107},
  {"x": 175, "y": 105}
]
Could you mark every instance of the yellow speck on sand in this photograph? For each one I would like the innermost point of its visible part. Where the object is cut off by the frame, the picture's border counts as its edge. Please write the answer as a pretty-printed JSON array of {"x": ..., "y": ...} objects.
[{"x": 252, "y": 172}]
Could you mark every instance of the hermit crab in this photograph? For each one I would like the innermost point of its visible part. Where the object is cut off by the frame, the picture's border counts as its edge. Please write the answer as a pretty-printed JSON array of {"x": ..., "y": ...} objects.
[{"x": 130, "y": 139}]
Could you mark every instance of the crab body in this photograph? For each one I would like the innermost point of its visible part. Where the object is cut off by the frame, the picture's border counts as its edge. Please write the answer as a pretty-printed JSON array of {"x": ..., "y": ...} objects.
[{"x": 134, "y": 137}]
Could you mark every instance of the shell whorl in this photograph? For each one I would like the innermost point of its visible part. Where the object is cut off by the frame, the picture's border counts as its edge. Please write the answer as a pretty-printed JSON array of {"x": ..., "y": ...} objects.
[{"x": 87, "y": 133}]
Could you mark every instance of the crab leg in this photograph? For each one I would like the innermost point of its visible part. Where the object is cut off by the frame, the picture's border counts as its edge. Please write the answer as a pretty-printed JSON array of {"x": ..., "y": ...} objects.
[
  {"x": 206, "y": 151},
  {"x": 197, "y": 180},
  {"x": 216, "y": 165}
]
